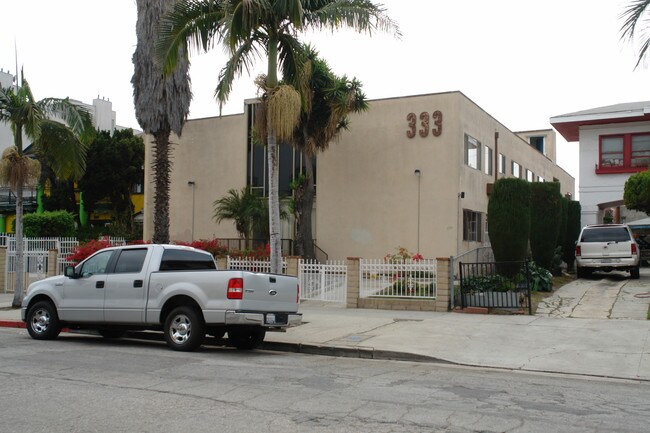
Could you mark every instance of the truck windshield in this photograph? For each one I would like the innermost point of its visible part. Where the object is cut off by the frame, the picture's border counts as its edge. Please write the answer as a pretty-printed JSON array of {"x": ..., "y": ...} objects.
[{"x": 183, "y": 260}]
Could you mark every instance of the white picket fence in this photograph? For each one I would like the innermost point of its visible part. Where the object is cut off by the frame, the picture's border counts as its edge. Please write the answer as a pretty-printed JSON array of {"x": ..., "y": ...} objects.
[
  {"x": 253, "y": 265},
  {"x": 323, "y": 282},
  {"x": 405, "y": 279}
]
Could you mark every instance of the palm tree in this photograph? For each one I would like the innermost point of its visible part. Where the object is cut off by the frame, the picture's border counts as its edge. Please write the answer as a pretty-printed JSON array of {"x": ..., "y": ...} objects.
[
  {"x": 65, "y": 145},
  {"x": 162, "y": 103},
  {"x": 637, "y": 14},
  {"x": 250, "y": 27},
  {"x": 328, "y": 101},
  {"x": 239, "y": 207}
]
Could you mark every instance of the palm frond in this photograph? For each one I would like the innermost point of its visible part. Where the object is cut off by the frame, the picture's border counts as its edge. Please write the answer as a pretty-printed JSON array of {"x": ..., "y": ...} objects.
[
  {"x": 361, "y": 15},
  {"x": 635, "y": 14},
  {"x": 242, "y": 58},
  {"x": 63, "y": 151},
  {"x": 75, "y": 116}
]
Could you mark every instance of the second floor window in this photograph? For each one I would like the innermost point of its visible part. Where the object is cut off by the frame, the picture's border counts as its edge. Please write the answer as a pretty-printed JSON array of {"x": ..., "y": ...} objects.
[
  {"x": 623, "y": 153},
  {"x": 488, "y": 161},
  {"x": 472, "y": 152},
  {"x": 502, "y": 163},
  {"x": 516, "y": 169}
]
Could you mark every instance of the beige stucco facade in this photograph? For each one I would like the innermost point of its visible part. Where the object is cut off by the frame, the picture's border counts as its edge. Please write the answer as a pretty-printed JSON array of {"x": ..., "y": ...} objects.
[{"x": 368, "y": 192}]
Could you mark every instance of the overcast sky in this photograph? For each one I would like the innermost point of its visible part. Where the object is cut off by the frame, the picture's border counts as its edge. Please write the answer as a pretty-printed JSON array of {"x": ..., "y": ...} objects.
[{"x": 522, "y": 61}]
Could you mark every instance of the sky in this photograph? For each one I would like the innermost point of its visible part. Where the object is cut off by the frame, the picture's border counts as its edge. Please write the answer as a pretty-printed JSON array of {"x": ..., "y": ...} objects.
[{"x": 521, "y": 61}]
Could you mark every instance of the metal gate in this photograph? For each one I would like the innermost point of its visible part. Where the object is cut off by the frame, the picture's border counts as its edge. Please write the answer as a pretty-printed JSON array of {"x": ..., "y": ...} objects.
[{"x": 323, "y": 282}]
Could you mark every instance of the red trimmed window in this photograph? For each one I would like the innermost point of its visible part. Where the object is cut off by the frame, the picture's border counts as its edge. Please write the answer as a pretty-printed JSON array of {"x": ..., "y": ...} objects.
[{"x": 626, "y": 153}]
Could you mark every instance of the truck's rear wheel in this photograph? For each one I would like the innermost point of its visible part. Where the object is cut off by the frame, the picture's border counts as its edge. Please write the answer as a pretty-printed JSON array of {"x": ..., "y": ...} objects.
[
  {"x": 184, "y": 329},
  {"x": 43, "y": 321},
  {"x": 246, "y": 338}
]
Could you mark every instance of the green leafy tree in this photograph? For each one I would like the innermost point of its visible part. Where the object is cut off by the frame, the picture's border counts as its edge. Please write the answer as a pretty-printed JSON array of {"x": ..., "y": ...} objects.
[
  {"x": 239, "y": 206},
  {"x": 115, "y": 165},
  {"x": 573, "y": 227},
  {"x": 32, "y": 117},
  {"x": 546, "y": 217},
  {"x": 250, "y": 27},
  {"x": 327, "y": 101},
  {"x": 509, "y": 221},
  {"x": 635, "y": 18},
  {"x": 637, "y": 192},
  {"x": 162, "y": 103}
]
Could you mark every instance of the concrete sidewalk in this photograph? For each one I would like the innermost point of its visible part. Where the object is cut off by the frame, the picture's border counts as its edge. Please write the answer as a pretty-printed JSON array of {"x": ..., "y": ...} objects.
[{"x": 607, "y": 348}]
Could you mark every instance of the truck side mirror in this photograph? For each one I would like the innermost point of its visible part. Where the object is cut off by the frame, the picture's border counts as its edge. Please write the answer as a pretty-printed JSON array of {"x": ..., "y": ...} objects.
[{"x": 69, "y": 272}]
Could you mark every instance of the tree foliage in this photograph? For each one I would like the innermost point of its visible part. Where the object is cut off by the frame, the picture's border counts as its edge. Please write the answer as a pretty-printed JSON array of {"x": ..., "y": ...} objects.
[
  {"x": 637, "y": 192},
  {"x": 115, "y": 165},
  {"x": 635, "y": 18},
  {"x": 546, "y": 217},
  {"x": 509, "y": 219}
]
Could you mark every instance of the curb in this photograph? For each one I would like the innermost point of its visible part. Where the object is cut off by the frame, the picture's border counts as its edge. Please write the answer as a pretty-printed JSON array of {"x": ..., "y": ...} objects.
[{"x": 12, "y": 324}]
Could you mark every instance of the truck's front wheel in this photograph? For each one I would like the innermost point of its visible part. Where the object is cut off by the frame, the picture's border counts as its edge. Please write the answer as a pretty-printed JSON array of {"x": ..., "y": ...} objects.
[
  {"x": 184, "y": 329},
  {"x": 43, "y": 321},
  {"x": 246, "y": 338}
]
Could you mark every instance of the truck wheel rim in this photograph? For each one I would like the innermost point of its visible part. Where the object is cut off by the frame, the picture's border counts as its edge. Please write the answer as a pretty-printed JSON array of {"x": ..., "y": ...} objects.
[
  {"x": 180, "y": 329},
  {"x": 40, "y": 320}
]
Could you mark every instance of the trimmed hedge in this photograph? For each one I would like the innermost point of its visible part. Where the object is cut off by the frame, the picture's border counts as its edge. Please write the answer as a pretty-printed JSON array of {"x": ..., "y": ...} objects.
[
  {"x": 49, "y": 224},
  {"x": 545, "y": 219},
  {"x": 573, "y": 227}
]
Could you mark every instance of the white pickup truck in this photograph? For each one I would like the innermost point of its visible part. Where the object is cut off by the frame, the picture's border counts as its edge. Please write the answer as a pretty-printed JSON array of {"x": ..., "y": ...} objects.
[{"x": 171, "y": 288}]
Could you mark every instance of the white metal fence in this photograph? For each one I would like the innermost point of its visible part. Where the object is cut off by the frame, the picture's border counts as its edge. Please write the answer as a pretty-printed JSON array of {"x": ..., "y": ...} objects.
[
  {"x": 36, "y": 259},
  {"x": 253, "y": 265},
  {"x": 323, "y": 282},
  {"x": 406, "y": 279}
]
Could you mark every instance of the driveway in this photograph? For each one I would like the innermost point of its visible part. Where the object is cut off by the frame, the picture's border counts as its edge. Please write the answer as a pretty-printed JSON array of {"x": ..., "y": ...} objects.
[{"x": 602, "y": 296}]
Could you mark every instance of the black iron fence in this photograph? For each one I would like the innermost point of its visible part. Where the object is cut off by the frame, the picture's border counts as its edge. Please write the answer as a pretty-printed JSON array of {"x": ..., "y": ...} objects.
[{"x": 495, "y": 285}]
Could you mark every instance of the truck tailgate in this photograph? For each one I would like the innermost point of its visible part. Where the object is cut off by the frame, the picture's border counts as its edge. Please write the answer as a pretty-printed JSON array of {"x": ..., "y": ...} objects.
[{"x": 272, "y": 293}]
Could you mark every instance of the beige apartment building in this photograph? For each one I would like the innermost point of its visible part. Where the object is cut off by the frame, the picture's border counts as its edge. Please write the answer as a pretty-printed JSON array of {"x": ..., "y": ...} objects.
[{"x": 413, "y": 172}]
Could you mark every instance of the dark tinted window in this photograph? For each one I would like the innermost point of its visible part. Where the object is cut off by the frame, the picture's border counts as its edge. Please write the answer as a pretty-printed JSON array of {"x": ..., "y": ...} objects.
[
  {"x": 130, "y": 261},
  {"x": 183, "y": 260},
  {"x": 605, "y": 234}
]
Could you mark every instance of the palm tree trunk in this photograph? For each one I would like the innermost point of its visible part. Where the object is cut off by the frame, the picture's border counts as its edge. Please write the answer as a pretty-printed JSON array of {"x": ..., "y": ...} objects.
[
  {"x": 162, "y": 168},
  {"x": 274, "y": 206},
  {"x": 19, "y": 274},
  {"x": 306, "y": 210},
  {"x": 273, "y": 161}
]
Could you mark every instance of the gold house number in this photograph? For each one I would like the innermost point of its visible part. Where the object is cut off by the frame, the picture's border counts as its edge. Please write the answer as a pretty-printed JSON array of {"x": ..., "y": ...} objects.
[{"x": 425, "y": 121}]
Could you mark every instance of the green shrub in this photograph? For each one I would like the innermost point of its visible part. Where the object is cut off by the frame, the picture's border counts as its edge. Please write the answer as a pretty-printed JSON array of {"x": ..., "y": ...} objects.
[
  {"x": 49, "y": 224},
  {"x": 573, "y": 227},
  {"x": 545, "y": 213},
  {"x": 541, "y": 279},
  {"x": 509, "y": 222}
]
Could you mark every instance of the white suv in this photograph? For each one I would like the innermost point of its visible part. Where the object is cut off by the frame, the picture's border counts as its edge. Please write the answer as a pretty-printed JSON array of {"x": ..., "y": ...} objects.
[{"x": 607, "y": 247}]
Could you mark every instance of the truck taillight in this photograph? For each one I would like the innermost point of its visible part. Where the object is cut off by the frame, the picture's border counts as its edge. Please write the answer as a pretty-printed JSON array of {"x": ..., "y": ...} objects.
[
  {"x": 578, "y": 250},
  {"x": 235, "y": 288},
  {"x": 634, "y": 250}
]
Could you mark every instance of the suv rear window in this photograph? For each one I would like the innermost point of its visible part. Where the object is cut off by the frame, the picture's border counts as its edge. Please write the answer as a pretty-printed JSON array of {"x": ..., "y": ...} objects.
[
  {"x": 605, "y": 234},
  {"x": 183, "y": 260}
]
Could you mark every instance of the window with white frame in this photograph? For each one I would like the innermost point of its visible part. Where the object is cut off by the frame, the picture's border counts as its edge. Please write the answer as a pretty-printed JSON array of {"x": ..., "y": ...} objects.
[
  {"x": 472, "y": 152},
  {"x": 488, "y": 161},
  {"x": 515, "y": 169},
  {"x": 472, "y": 226},
  {"x": 502, "y": 163},
  {"x": 530, "y": 176}
]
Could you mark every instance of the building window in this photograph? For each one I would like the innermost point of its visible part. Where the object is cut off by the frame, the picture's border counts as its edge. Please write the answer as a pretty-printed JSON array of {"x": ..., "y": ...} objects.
[
  {"x": 537, "y": 143},
  {"x": 472, "y": 226},
  {"x": 624, "y": 153},
  {"x": 530, "y": 176},
  {"x": 540, "y": 179},
  {"x": 472, "y": 152},
  {"x": 488, "y": 161},
  {"x": 515, "y": 169},
  {"x": 502, "y": 163}
]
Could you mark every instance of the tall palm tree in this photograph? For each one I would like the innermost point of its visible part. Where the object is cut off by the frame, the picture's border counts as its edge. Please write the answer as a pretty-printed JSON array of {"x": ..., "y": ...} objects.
[
  {"x": 162, "y": 103},
  {"x": 635, "y": 21},
  {"x": 328, "y": 101},
  {"x": 65, "y": 145},
  {"x": 250, "y": 27}
]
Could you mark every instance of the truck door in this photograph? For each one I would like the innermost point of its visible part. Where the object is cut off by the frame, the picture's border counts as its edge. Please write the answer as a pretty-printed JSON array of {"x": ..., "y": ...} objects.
[
  {"x": 83, "y": 297},
  {"x": 125, "y": 294}
]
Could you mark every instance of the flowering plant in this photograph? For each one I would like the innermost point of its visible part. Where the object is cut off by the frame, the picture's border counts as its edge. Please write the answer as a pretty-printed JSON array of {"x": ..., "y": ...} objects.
[
  {"x": 211, "y": 246},
  {"x": 402, "y": 255},
  {"x": 84, "y": 251}
]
